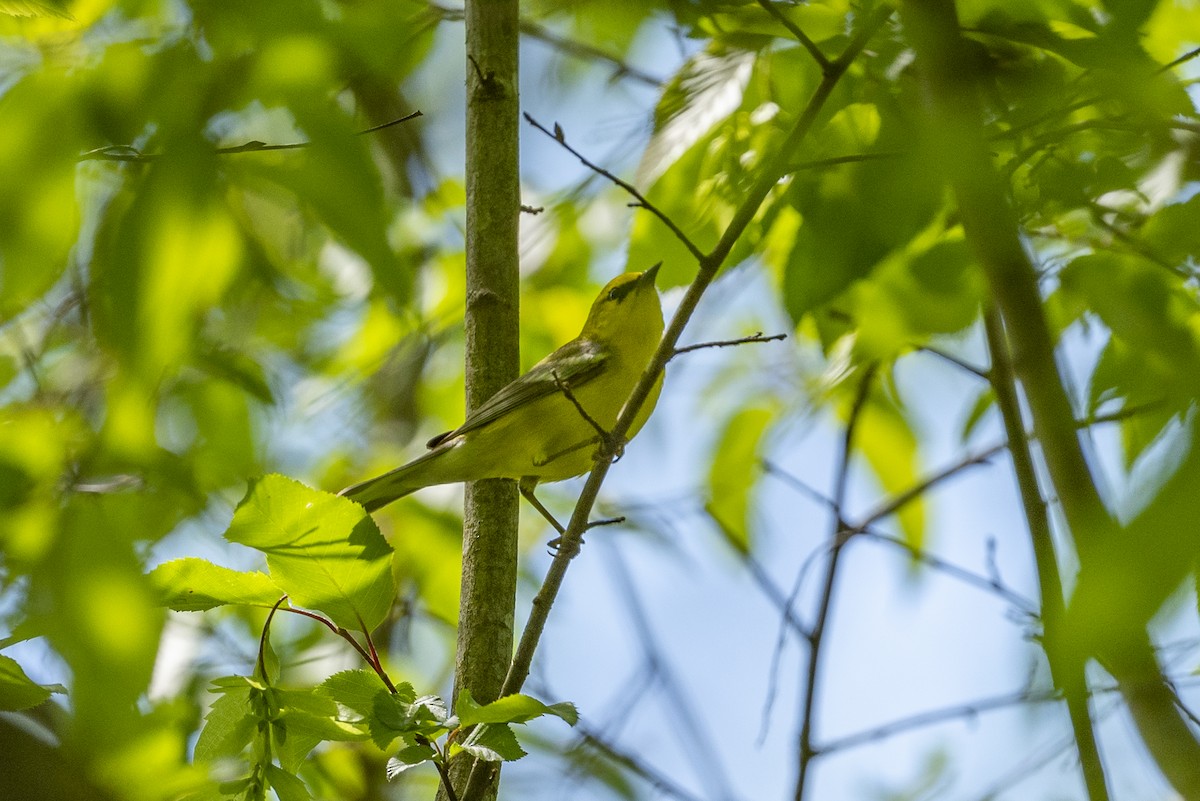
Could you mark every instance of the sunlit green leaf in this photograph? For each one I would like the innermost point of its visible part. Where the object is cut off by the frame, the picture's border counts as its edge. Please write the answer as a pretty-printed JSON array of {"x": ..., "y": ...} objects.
[
  {"x": 324, "y": 551},
  {"x": 190, "y": 584},
  {"x": 516, "y": 708},
  {"x": 18, "y": 691}
]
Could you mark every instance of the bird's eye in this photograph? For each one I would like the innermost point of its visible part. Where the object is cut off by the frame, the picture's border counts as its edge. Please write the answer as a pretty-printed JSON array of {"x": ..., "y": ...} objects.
[{"x": 613, "y": 294}]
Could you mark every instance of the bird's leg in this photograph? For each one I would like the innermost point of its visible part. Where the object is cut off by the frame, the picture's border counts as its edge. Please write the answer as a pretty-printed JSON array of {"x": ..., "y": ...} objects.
[
  {"x": 526, "y": 487},
  {"x": 611, "y": 446}
]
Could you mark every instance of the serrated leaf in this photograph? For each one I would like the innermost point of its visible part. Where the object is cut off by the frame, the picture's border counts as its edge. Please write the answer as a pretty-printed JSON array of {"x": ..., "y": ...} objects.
[
  {"x": 494, "y": 742},
  {"x": 391, "y": 717},
  {"x": 517, "y": 708},
  {"x": 735, "y": 472},
  {"x": 193, "y": 585},
  {"x": 357, "y": 689},
  {"x": 415, "y": 754},
  {"x": 18, "y": 691},
  {"x": 396, "y": 766},
  {"x": 228, "y": 726},
  {"x": 324, "y": 551}
]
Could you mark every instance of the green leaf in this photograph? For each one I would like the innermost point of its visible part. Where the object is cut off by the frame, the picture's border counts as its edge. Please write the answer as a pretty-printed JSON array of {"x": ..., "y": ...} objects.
[
  {"x": 984, "y": 402},
  {"x": 493, "y": 743},
  {"x": 287, "y": 786},
  {"x": 409, "y": 757},
  {"x": 306, "y": 718},
  {"x": 357, "y": 690},
  {"x": 1173, "y": 232},
  {"x": 734, "y": 474},
  {"x": 1128, "y": 578},
  {"x": 391, "y": 717},
  {"x": 191, "y": 585},
  {"x": 35, "y": 8},
  {"x": 415, "y": 754},
  {"x": 18, "y": 691},
  {"x": 230, "y": 724},
  {"x": 890, "y": 446},
  {"x": 516, "y": 708},
  {"x": 324, "y": 551}
]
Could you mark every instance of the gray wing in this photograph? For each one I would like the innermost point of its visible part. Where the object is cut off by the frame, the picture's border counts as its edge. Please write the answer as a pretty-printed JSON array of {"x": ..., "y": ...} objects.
[{"x": 574, "y": 364}]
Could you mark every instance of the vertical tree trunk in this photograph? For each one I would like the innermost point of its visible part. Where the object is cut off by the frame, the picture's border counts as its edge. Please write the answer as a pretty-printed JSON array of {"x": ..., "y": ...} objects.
[{"x": 485, "y": 623}]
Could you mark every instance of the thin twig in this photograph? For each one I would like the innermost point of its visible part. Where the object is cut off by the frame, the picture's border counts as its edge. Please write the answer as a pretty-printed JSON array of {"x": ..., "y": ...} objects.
[
  {"x": 655, "y": 779},
  {"x": 897, "y": 502},
  {"x": 991, "y": 583},
  {"x": 962, "y": 364},
  {"x": 703, "y": 754},
  {"x": 127, "y": 153},
  {"x": 345, "y": 634},
  {"x": 797, "y": 32},
  {"x": 642, "y": 201},
  {"x": 934, "y": 716},
  {"x": 725, "y": 343},
  {"x": 805, "y": 748}
]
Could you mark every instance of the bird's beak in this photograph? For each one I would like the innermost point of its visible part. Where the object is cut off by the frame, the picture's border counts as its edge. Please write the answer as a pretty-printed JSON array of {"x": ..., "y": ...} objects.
[{"x": 650, "y": 275}]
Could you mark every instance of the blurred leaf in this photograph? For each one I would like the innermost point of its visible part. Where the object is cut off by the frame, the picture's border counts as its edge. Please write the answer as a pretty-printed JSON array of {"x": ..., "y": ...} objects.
[
  {"x": 1129, "y": 577},
  {"x": 35, "y": 8},
  {"x": 190, "y": 585},
  {"x": 287, "y": 786},
  {"x": 734, "y": 473},
  {"x": 1173, "y": 232},
  {"x": 324, "y": 551},
  {"x": 18, "y": 691},
  {"x": 984, "y": 402},
  {"x": 99, "y": 612},
  {"x": 890, "y": 446}
]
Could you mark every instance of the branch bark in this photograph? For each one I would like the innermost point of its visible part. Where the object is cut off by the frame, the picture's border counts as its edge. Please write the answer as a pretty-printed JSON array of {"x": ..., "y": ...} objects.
[{"x": 489, "y": 579}]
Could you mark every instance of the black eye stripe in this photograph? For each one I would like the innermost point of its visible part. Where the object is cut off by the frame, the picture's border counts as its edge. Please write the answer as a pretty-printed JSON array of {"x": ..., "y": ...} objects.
[{"x": 621, "y": 290}]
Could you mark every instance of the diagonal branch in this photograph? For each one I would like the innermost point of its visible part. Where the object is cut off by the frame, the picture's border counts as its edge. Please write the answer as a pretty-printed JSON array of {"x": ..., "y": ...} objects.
[{"x": 642, "y": 201}]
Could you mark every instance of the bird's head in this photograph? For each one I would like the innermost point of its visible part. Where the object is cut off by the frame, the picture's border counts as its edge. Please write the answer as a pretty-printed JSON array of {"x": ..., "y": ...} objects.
[{"x": 627, "y": 310}]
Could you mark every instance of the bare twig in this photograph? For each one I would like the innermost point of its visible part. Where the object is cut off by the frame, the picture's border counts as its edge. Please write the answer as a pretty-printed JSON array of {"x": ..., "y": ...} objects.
[
  {"x": 989, "y": 583},
  {"x": 660, "y": 782},
  {"x": 934, "y": 716},
  {"x": 642, "y": 202},
  {"x": 961, "y": 364},
  {"x": 725, "y": 343},
  {"x": 128, "y": 153},
  {"x": 806, "y": 750}
]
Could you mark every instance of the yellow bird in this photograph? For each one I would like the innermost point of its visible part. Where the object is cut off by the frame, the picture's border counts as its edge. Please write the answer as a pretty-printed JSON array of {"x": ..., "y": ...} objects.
[{"x": 534, "y": 429}]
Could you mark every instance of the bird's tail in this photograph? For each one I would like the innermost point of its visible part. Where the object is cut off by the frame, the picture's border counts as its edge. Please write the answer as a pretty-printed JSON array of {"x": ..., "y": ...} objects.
[{"x": 375, "y": 493}]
